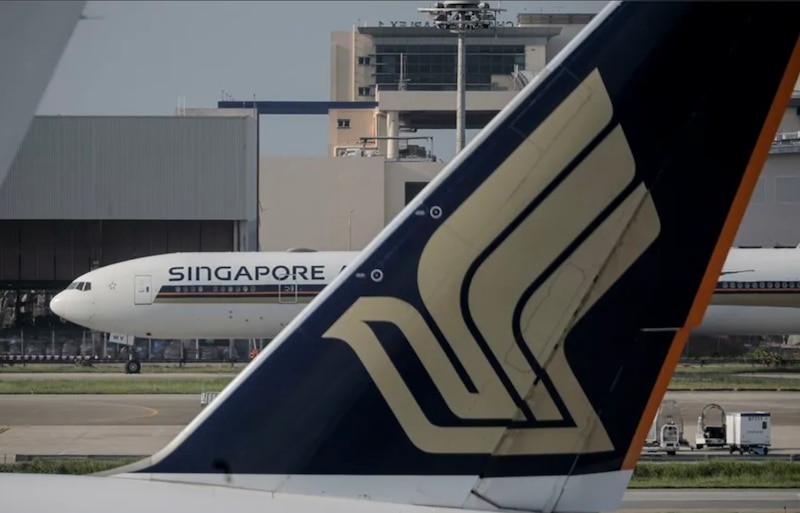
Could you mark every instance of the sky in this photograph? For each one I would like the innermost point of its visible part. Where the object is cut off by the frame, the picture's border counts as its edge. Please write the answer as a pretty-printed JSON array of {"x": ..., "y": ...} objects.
[{"x": 138, "y": 57}]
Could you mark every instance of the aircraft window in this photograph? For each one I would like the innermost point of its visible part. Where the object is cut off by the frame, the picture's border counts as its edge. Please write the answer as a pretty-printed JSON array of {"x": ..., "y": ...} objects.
[
  {"x": 784, "y": 284},
  {"x": 87, "y": 286},
  {"x": 769, "y": 284},
  {"x": 72, "y": 285},
  {"x": 79, "y": 286},
  {"x": 230, "y": 289},
  {"x": 177, "y": 289},
  {"x": 200, "y": 289},
  {"x": 215, "y": 288},
  {"x": 252, "y": 288},
  {"x": 761, "y": 284}
]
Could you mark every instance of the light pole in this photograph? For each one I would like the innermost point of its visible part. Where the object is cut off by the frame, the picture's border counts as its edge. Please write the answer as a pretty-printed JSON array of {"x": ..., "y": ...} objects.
[{"x": 461, "y": 17}]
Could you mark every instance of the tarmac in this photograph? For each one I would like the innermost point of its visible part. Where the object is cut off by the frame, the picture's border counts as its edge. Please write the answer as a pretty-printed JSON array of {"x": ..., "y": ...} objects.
[
  {"x": 783, "y": 406},
  {"x": 137, "y": 425},
  {"x": 143, "y": 424},
  {"x": 92, "y": 424}
]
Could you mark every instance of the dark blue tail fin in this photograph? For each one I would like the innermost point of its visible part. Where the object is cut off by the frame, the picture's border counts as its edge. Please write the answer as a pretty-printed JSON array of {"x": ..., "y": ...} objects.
[{"x": 506, "y": 340}]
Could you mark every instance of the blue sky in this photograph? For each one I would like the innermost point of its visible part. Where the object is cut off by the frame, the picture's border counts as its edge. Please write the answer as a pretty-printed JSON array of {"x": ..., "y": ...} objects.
[{"x": 139, "y": 56}]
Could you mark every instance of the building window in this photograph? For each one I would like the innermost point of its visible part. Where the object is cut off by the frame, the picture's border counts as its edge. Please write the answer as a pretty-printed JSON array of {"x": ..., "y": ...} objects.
[
  {"x": 787, "y": 189},
  {"x": 412, "y": 189},
  {"x": 363, "y": 61},
  {"x": 342, "y": 123},
  {"x": 364, "y": 91},
  {"x": 433, "y": 67}
]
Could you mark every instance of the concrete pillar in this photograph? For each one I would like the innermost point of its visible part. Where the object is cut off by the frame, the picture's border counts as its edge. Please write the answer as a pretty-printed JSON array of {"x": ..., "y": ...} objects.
[{"x": 392, "y": 130}]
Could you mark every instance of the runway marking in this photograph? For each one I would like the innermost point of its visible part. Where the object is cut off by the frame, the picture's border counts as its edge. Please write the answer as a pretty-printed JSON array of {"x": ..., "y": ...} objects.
[{"x": 149, "y": 412}]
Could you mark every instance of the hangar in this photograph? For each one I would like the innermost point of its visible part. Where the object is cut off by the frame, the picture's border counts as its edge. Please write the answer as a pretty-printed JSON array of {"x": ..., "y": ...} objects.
[{"x": 84, "y": 192}]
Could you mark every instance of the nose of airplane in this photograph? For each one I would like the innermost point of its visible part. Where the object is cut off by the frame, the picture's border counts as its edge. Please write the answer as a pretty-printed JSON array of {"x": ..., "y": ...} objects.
[{"x": 58, "y": 305}]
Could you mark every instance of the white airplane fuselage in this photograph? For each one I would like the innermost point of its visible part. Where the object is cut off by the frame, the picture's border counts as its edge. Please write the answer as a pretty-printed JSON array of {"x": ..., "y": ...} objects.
[
  {"x": 255, "y": 294},
  {"x": 200, "y": 295},
  {"x": 758, "y": 292}
]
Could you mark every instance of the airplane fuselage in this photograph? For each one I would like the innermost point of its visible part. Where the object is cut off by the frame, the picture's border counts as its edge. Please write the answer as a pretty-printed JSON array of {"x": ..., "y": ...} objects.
[
  {"x": 758, "y": 292},
  {"x": 254, "y": 295},
  {"x": 200, "y": 295}
]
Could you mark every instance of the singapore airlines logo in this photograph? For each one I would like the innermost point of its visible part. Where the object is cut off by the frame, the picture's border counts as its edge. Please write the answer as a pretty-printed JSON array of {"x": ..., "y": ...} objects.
[{"x": 505, "y": 282}]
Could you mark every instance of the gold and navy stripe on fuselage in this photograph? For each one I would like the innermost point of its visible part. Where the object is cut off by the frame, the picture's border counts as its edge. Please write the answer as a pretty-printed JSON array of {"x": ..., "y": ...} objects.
[
  {"x": 757, "y": 293},
  {"x": 284, "y": 293}
]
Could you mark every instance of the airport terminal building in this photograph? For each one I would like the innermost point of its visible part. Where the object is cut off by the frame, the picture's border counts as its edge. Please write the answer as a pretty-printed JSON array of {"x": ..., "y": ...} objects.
[
  {"x": 85, "y": 192},
  {"x": 389, "y": 81}
]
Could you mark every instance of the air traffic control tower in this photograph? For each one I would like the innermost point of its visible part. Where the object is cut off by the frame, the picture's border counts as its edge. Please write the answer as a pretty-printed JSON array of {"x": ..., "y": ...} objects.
[{"x": 409, "y": 69}]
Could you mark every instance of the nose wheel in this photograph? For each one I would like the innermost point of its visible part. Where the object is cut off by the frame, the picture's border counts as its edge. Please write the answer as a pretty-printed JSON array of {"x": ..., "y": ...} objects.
[{"x": 133, "y": 366}]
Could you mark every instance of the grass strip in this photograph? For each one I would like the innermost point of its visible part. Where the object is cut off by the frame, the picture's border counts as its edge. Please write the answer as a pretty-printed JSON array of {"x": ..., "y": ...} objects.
[
  {"x": 719, "y": 376},
  {"x": 717, "y": 474},
  {"x": 64, "y": 466},
  {"x": 732, "y": 382},
  {"x": 706, "y": 474},
  {"x": 735, "y": 368},
  {"x": 135, "y": 385}
]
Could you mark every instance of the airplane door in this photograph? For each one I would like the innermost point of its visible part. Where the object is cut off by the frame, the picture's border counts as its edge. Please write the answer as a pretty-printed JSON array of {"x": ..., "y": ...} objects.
[
  {"x": 287, "y": 291},
  {"x": 142, "y": 290}
]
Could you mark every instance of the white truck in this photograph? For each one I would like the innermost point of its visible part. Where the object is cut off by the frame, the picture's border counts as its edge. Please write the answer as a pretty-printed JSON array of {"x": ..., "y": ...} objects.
[{"x": 748, "y": 432}]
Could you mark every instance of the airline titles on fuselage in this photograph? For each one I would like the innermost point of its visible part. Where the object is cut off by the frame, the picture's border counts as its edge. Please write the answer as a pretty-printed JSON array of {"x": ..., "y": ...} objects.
[{"x": 202, "y": 273}]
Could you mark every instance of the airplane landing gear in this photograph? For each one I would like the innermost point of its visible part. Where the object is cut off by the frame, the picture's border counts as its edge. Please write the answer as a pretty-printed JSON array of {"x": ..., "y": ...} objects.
[{"x": 133, "y": 366}]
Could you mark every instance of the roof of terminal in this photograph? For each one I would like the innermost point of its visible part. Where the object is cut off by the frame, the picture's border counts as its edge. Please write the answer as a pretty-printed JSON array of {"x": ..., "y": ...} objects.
[{"x": 430, "y": 31}]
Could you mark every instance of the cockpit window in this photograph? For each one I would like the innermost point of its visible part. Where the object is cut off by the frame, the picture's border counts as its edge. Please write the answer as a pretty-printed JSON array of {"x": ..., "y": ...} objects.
[{"x": 80, "y": 285}]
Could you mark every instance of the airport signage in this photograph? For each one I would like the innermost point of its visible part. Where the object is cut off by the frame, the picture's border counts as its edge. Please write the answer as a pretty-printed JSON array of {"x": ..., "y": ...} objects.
[{"x": 395, "y": 24}]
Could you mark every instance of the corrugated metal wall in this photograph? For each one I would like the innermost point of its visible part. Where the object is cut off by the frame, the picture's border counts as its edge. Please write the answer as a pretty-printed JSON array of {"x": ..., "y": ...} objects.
[
  {"x": 48, "y": 251},
  {"x": 190, "y": 168},
  {"x": 773, "y": 215}
]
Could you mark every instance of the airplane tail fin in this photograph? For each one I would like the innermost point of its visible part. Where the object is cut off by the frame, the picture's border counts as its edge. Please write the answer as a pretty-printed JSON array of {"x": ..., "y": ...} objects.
[{"x": 506, "y": 341}]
